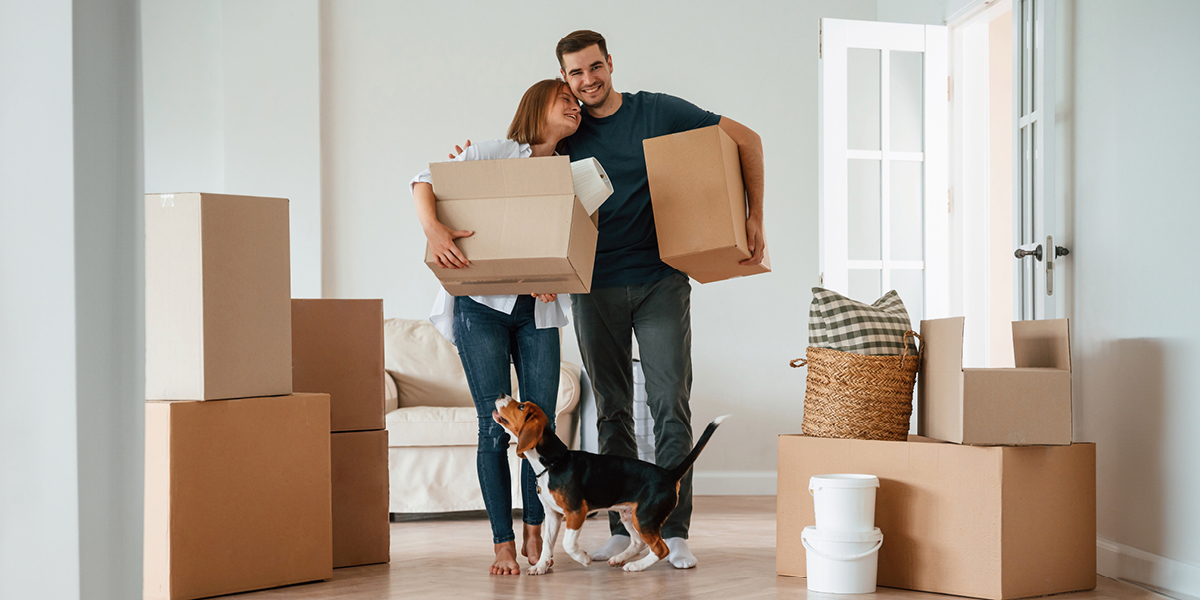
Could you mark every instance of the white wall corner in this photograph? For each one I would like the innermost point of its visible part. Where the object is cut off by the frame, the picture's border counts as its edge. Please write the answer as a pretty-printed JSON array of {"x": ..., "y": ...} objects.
[
  {"x": 734, "y": 483},
  {"x": 1170, "y": 577}
]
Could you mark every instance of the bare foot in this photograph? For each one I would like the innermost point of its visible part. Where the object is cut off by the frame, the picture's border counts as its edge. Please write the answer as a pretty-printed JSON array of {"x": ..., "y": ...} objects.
[
  {"x": 506, "y": 560},
  {"x": 532, "y": 546}
]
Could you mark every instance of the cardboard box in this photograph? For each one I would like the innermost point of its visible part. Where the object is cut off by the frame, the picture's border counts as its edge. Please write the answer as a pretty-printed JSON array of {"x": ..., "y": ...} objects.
[
  {"x": 337, "y": 349},
  {"x": 218, "y": 297},
  {"x": 237, "y": 495},
  {"x": 361, "y": 528},
  {"x": 1029, "y": 404},
  {"x": 700, "y": 204},
  {"x": 993, "y": 522},
  {"x": 532, "y": 235}
]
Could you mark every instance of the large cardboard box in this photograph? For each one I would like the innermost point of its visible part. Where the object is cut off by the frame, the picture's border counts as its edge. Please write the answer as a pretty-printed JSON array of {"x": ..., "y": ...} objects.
[
  {"x": 1026, "y": 405},
  {"x": 532, "y": 235},
  {"x": 237, "y": 495},
  {"x": 218, "y": 297},
  {"x": 361, "y": 528},
  {"x": 337, "y": 349},
  {"x": 980, "y": 521},
  {"x": 700, "y": 204}
]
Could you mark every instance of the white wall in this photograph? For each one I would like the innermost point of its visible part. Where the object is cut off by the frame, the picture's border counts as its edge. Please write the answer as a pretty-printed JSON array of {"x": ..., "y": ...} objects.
[
  {"x": 401, "y": 85},
  {"x": 1127, "y": 154},
  {"x": 233, "y": 106},
  {"x": 71, "y": 348}
]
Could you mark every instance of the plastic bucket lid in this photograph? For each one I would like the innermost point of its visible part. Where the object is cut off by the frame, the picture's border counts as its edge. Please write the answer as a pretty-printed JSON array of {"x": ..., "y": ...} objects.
[
  {"x": 812, "y": 532},
  {"x": 843, "y": 480}
]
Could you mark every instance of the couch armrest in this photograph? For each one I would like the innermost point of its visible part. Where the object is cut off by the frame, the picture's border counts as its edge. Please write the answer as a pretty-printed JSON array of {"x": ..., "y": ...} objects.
[
  {"x": 568, "y": 388},
  {"x": 391, "y": 393}
]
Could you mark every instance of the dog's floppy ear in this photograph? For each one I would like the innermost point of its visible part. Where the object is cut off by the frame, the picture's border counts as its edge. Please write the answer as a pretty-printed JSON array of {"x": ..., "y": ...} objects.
[{"x": 531, "y": 432}]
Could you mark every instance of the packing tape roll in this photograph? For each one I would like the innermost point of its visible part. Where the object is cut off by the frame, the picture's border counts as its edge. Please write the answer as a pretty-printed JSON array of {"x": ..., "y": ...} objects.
[{"x": 592, "y": 185}]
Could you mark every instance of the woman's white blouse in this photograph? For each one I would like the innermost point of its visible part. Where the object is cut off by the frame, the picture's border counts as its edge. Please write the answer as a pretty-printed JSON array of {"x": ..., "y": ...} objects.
[{"x": 545, "y": 315}]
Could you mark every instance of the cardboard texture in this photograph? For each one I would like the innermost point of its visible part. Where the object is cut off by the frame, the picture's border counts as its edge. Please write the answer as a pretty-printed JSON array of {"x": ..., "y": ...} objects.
[
  {"x": 994, "y": 522},
  {"x": 532, "y": 235},
  {"x": 218, "y": 297},
  {"x": 1026, "y": 405},
  {"x": 700, "y": 204},
  {"x": 337, "y": 349},
  {"x": 361, "y": 528},
  {"x": 237, "y": 495}
]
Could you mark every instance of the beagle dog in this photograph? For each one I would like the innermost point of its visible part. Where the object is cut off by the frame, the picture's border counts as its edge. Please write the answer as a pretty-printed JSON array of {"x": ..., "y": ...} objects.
[{"x": 572, "y": 483}]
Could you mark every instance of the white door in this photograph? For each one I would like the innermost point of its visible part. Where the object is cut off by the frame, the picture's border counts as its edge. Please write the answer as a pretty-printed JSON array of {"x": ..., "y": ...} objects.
[
  {"x": 883, "y": 163},
  {"x": 1037, "y": 285}
]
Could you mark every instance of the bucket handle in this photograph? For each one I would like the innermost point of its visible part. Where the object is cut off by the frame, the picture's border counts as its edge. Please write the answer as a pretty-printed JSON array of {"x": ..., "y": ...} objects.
[{"x": 877, "y": 546}]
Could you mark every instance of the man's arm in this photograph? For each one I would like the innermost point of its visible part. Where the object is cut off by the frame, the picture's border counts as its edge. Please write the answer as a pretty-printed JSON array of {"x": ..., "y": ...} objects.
[{"x": 751, "y": 152}]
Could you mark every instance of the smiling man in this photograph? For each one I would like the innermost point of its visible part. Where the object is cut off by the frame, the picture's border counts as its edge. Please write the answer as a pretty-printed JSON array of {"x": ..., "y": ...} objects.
[{"x": 633, "y": 291}]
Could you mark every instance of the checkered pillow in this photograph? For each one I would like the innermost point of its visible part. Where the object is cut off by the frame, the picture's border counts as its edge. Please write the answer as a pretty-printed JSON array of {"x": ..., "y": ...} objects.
[{"x": 835, "y": 321}]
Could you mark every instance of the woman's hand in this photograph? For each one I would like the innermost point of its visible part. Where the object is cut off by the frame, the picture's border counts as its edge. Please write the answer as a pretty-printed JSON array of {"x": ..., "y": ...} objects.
[
  {"x": 546, "y": 298},
  {"x": 445, "y": 252}
]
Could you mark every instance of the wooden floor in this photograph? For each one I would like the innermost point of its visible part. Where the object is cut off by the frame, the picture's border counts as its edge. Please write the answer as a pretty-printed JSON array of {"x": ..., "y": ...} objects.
[{"x": 733, "y": 538}]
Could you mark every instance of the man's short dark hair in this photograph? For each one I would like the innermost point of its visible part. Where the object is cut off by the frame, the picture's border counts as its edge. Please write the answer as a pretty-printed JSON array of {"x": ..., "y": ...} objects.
[{"x": 577, "y": 41}]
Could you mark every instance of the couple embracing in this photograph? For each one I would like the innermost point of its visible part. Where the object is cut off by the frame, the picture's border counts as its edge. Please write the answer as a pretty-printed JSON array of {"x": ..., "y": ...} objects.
[{"x": 633, "y": 292}]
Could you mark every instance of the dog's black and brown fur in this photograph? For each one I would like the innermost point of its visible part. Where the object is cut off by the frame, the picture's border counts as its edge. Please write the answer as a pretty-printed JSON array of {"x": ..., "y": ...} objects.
[{"x": 573, "y": 483}]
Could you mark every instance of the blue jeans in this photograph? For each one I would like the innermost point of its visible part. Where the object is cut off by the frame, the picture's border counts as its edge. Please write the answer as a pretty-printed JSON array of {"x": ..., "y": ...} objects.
[{"x": 487, "y": 339}]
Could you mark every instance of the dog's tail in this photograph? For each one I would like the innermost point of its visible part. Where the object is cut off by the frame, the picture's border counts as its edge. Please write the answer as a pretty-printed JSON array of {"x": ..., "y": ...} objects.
[{"x": 680, "y": 470}]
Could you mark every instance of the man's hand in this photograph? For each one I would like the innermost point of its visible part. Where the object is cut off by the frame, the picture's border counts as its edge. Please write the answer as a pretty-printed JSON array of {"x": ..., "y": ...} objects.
[
  {"x": 545, "y": 298},
  {"x": 757, "y": 241},
  {"x": 459, "y": 150},
  {"x": 445, "y": 252}
]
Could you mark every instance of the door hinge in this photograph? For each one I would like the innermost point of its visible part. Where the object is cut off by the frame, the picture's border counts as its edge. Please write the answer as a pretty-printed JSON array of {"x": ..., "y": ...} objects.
[
  {"x": 949, "y": 88},
  {"x": 820, "y": 39}
]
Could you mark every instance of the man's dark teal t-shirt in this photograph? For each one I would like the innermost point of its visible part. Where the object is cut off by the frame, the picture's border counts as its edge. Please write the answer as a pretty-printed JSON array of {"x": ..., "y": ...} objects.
[{"x": 627, "y": 250}]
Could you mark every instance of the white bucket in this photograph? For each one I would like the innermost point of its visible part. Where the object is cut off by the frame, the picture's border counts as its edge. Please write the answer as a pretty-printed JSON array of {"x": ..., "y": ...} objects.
[
  {"x": 841, "y": 563},
  {"x": 844, "y": 502}
]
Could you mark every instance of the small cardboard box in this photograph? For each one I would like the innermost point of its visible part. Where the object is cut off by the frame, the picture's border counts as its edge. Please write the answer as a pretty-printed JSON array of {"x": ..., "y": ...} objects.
[
  {"x": 700, "y": 204},
  {"x": 996, "y": 522},
  {"x": 1026, "y": 405},
  {"x": 218, "y": 297},
  {"x": 532, "y": 235},
  {"x": 361, "y": 528},
  {"x": 337, "y": 349},
  {"x": 237, "y": 495}
]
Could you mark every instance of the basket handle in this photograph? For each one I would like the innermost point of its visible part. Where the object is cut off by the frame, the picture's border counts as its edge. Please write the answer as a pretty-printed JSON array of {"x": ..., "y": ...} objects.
[
  {"x": 920, "y": 348},
  {"x": 798, "y": 362}
]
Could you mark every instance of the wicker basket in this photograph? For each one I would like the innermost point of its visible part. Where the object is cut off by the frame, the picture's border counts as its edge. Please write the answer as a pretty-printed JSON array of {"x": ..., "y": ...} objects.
[{"x": 857, "y": 396}]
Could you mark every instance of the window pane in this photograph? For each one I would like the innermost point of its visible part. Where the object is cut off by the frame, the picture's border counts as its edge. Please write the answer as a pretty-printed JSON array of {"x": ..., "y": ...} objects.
[
  {"x": 862, "y": 99},
  {"x": 864, "y": 285},
  {"x": 910, "y": 284},
  {"x": 906, "y": 214},
  {"x": 863, "y": 210},
  {"x": 906, "y": 109}
]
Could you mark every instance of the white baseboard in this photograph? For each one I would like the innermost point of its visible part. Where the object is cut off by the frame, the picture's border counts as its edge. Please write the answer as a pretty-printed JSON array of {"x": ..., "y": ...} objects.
[
  {"x": 1170, "y": 577},
  {"x": 734, "y": 483}
]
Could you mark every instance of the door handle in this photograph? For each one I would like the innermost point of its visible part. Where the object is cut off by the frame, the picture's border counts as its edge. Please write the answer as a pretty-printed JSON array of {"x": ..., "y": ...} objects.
[
  {"x": 1022, "y": 252},
  {"x": 1050, "y": 256}
]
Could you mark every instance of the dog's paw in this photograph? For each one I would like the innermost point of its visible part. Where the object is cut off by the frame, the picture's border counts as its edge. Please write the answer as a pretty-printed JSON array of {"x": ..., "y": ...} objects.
[
  {"x": 582, "y": 558},
  {"x": 539, "y": 569},
  {"x": 633, "y": 567},
  {"x": 615, "y": 562}
]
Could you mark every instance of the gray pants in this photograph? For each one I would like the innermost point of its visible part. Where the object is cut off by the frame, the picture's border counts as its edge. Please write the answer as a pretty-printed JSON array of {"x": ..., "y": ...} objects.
[{"x": 659, "y": 313}]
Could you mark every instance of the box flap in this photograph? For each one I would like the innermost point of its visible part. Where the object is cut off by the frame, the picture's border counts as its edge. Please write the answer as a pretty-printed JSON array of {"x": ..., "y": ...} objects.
[
  {"x": 940, "y": 386},
  {"x": 474, "y": 179},
  {"x": 1044, "y": 344}
]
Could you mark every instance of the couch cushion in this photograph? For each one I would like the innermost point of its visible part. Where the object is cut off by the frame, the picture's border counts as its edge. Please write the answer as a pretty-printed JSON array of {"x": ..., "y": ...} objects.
[
  {"x": 424, "y": 364},
  {"x": 418, "y": 426}
]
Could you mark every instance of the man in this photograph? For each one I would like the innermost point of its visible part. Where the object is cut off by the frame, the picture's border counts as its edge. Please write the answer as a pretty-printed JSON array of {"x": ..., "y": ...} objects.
[{"x": 633, "y": 291}]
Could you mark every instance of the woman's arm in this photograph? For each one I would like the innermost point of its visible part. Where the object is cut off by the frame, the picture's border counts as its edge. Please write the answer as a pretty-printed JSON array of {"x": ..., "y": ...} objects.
[{"x": 441, "y": 238}]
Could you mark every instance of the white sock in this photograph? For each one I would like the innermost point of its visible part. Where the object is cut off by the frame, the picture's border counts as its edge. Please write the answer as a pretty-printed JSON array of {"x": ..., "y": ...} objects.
[
  {"x": 614, "y": 546},
  {"x": 681, "y": 556}
]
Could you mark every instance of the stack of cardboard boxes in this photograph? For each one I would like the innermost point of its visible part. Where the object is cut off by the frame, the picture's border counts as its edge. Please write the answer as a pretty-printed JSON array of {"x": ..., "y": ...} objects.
[
  {"x": 237, "y": 466},
  {"x": 337, "y": 348},
  {"x": 994, "y": 502},
  {"x": 246, "y": 487}
]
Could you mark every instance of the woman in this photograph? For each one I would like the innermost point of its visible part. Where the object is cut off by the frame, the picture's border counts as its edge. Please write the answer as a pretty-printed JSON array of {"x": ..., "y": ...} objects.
[{"x": 489, "y": 330}]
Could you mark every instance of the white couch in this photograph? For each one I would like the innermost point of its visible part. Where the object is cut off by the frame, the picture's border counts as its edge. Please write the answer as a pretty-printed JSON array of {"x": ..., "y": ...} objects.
[{"x": 431, "y": 423}]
